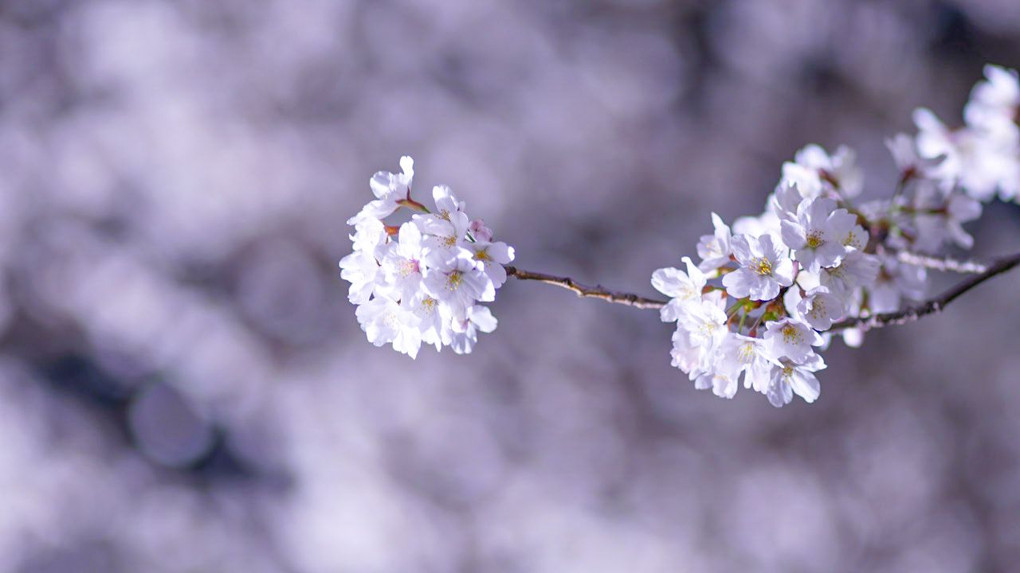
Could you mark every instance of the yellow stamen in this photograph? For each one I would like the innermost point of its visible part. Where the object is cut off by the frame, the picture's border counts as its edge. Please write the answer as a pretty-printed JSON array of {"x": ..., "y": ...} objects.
[
  {"x": 818, "y": 308},
  {"x": 429, "y": 304},
  {"x": 408, "y": 267},
  {"x": 746, "y": 352},
  {"x": 454, "y": 279},
  {"x": 791, "y": 334},
  {"x": 814, "y": 240}
]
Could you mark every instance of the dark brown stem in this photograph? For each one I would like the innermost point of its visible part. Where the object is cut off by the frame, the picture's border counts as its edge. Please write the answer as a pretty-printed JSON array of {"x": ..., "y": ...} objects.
[
  {"x": 930, "y": 306},
  {"x": 981, "y": 274},
  {"x": 624, "y": 298},
  {"x": 904, "y": 316}
]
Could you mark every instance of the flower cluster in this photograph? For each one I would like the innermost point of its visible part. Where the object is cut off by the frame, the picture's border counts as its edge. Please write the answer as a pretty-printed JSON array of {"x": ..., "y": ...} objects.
[
  {"x": 755, "y": 304},
  {"x": 765, "y": 295},
  {"x": 422, "y": 280},
  {"x": 768, "y": 291},
  {"x": 983, "y": 156}
]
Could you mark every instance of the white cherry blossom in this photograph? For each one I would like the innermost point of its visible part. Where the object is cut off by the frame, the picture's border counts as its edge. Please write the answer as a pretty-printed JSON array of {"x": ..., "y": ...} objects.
[
  {"x": 389, "y": 188},
  {"x": 447, "y": 229},
  {"x": 994, "y": 103},
  {"x": 402, "y": 265},
  {"x": 361, "y": 267},
  {"x": 478, "y": 319},
  {"x": 857, "y": 269},
  {"x": 838, "y": 171},
  {"x": 822, "y": 234},
  {"x": 786, "y": 200},
  {"x": 979, "y": 161},
  {"x": 700, "y": 330},
  {"x": 790, "y": 338},
  {"x": 683, "y": 288},
  {"x": 896, "y": 281},
  {"x": 788, "y": 378},
  {"x": 385, "y": 321},
  {"x": 714, "y": 249},
  {"x": 490, "y": 257},
  {"x": 459, "y": 283},
  {"x": 763, "y": 268},
  {"x": 422, "y": 281},
  {"x": 911, "y": 163},
  {"x": 935, "y": 218},
  {"x": 765, "y": 224},
  {"x": 747, "y": 355},
  {"x": 820, "y": 308},
  {"x": 724, "y": 383}
]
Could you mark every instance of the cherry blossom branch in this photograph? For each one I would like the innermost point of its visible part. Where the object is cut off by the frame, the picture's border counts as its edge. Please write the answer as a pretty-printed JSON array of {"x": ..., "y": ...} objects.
[
  {"x": 981, "y": 273},
  {"x": 942, "y": 264},
  {"x": 931, "y": 306},
  {"x": 597, "y": 291},
  {"x": 787, "y": 275}
]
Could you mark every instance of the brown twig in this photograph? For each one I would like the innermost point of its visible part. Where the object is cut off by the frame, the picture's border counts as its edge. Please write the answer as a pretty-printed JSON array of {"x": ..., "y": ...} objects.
[
  {"x": 930, "y": 306},
  {"x": 944, "y": 265},
  {"x": 596, "y": 291}
]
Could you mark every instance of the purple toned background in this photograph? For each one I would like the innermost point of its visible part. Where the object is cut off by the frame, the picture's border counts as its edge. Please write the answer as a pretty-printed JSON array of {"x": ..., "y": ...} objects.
[{"x": 184, "y": 387}]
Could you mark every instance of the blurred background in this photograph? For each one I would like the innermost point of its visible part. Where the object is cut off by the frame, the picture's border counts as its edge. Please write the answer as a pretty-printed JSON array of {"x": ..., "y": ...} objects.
[{"x": 184, "y": 386}]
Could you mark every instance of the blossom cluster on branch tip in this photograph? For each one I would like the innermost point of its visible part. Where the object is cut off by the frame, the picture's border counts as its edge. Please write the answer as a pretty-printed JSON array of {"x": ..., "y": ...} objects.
[
  {"x": 422, "y": 280},
  {"x": 767, "y": 293},
  {"x": 760, "y": 304}
]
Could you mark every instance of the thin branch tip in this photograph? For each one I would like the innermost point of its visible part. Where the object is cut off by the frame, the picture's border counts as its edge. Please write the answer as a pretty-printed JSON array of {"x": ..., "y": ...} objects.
[
  {"x": 934, "y": 305},
  {"x": 948, "y": 265},
  {"x": 980, "y": 273},
  {"x": 581, "y": 290}
]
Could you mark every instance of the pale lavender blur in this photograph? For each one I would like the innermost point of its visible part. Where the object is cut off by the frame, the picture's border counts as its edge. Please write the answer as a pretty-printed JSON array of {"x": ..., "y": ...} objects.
[{"x": 184, "y": 386}]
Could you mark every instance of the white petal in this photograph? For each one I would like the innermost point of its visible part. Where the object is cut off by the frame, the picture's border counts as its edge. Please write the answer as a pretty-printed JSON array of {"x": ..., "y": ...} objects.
[
  {"x": 738, "y": 283},
  {"x": 670, "y": 281},
  {"x": 805, "y": 385},
  {"x": 794, "y": 235}
]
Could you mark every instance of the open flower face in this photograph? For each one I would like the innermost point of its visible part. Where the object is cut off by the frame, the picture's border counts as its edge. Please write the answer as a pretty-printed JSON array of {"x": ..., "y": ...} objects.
[
  {"x": 763, "y": 268},
  {"x": 422, "y": 281}
]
